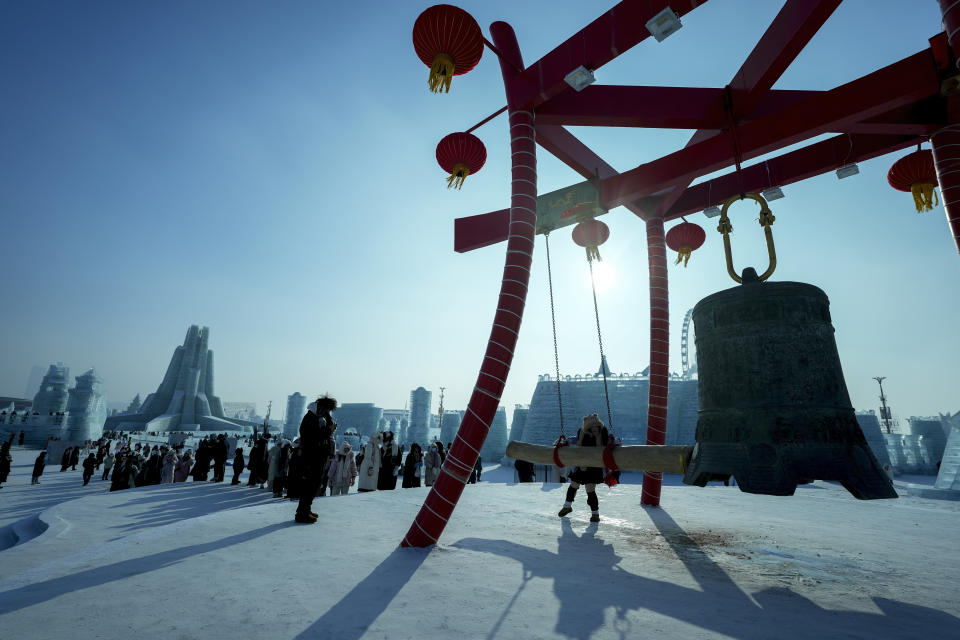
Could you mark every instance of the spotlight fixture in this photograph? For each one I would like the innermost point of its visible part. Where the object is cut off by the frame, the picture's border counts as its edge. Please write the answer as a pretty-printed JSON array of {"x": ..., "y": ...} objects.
[
  {"x": 773, "y": 193},
  {"x": 848, "y": 170},
  {"x": 579, "y": 78},
  {"x": 663, "y": 24},
  {"x": 712, "y": 211}
]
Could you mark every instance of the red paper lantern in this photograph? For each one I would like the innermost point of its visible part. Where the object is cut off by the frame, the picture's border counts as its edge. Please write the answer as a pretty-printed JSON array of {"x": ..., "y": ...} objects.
[
  {"x": 590, "y": 234},
  {"x": 685, "y": 238},
  {"x": 460, "y": 154},
  {"x": 916, "y": 174},
  {"x": 449, "y": 41}
]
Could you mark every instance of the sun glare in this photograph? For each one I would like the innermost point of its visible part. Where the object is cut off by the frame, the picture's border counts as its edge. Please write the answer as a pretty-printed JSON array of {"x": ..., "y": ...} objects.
[{"x": 604, "y": 276}]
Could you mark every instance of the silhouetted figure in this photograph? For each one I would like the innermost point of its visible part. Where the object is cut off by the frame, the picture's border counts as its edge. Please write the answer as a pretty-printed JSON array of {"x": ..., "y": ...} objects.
[
  {"x": 389, "y": 463},
  {"x": 237, "y": 466},
  {"x": 316, "y": 434},
  {"x": 74, "y": 458},
  {"x": 412, "y": 467},
  {"x": 89, "y": 466},
  {"x": 259, "y": 463},
  {"x": 524, "y": 470},
  {"x": 202, "y": 468},
  {"x": 293, "y": 472},
  {"x": 65, "y": 459},
  {"x": 220, "y": 453},
  {"x": 20, "y": 439},
  {"x": 6, "y": 460},
  {"x": 38, "y": 466}
]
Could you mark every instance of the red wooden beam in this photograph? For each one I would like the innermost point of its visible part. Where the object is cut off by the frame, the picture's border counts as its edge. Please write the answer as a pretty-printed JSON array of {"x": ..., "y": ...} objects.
[
  {"x": 569, "y": 150},
  {"x": 652, "y": 107},
  {"x": 896, "y": 85},
  {"x": 615, "y": 32},
  {"x": 793, "y": 27},
  {"x": 796, "y": 23},
  {"x": 801, "y": 164},
  {"x": 475, "y": 232},
  {"x": 876, "y": 136}
]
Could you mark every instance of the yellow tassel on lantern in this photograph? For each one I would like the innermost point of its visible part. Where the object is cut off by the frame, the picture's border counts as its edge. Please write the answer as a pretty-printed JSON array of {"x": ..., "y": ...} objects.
[
  {"x": 593, "y": 253},
  {"x": 924, "y": 196},
  {"x": 683, "y": 254},
  {"x": 441, "y": 73},
  {"x": 460, "y": 173}
]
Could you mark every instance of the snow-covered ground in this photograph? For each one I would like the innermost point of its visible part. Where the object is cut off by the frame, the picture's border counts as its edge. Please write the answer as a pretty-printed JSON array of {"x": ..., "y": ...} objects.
[{"x": 205, "y": 560}]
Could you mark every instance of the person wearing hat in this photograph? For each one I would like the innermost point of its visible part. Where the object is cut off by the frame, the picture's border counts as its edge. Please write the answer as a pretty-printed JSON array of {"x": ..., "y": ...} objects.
[
  {"x": 316, "y": 437},
  {"x": 343, "y": 470},
  {"x": 370, "y": 467},
  {"x": 593, "y": 433}
]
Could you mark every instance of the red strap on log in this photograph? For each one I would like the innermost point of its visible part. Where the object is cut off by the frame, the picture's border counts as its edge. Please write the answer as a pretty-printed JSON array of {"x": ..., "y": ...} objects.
[
  {"x": 561, "y": 442},
  {"x": 610, "y": 477}
]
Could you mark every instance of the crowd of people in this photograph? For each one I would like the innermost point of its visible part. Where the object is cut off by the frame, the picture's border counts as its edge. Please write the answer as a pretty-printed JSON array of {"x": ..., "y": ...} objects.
[{"x": 300, "y": 469}]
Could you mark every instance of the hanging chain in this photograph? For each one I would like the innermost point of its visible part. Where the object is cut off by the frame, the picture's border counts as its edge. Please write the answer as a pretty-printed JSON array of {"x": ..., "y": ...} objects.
[
  {"x": 603, "y": 358},
  {"x": 553, "y": 321}
]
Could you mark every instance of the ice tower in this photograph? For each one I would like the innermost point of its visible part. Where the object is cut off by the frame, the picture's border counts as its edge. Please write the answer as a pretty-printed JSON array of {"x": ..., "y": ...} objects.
[{"x": 184, "y": 401}]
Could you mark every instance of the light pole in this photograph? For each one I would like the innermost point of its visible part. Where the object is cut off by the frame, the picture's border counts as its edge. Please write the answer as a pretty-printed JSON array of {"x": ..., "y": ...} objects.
[
  {"x": 884, "y": 410},
  {"x": 440, "y": 421}
]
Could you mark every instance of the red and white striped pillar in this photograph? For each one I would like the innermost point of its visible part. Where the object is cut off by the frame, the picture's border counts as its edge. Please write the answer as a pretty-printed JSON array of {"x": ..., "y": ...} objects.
[
  {"x": 946, "y": 158},
  {"x": 456, "y": 469},
  {"x": 659, "y": 353},
  {"x": 950, "y": 12}
]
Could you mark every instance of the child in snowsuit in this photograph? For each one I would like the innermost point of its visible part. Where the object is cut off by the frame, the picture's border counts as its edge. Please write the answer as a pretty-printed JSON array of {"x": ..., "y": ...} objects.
[{"x": 593, "y": 433}]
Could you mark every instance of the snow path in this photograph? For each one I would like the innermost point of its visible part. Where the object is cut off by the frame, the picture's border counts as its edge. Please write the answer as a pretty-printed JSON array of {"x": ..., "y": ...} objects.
[{"x": 213, "y": 561}]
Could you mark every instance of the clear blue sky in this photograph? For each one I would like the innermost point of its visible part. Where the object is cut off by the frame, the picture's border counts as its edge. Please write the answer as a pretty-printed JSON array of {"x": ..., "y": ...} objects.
[{"x": 267, "y": 169}]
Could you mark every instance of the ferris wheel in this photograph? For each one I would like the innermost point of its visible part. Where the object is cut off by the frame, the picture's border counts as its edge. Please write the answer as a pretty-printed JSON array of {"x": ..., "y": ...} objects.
[{"x": 685, "y": 339}]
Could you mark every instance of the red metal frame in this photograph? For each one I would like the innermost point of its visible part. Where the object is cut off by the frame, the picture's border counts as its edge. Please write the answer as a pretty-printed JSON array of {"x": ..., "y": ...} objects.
[{"x": 894, "y": 107}]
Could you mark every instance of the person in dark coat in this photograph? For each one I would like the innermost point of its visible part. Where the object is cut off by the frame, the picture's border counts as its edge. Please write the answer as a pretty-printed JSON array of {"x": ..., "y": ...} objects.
[
  {"x": 477, "y": 470},
  {"x": 20, "y": 439},
  {"x": 258, "y": 463},
  {"x": 5, "y": 461},
  {"x": 316, "y": 434},
  {"x": 237, "y": 466},
  {"x": 89, "y": 466},
  {"x": 390, "y": 458},
  {"x": 593, "y": 433},
  {"x": 155, "y": 466},
  {"x": 524, "y": 470},
  {"x": 293, "y": 472},
  {"x": 74, "y": 458},
  {"x": 202, "y": 466},
  {"x": 120, "y": 479},
  {"x": 65, "y": 459},
  {"x": 38, "y": 466},
  {"x": 220, "y": 453},
  {"x": 412, "y": 466}
]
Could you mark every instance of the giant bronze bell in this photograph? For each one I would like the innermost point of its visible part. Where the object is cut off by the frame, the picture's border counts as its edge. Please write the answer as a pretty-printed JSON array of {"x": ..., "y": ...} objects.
[{"x": 774, "y": 408}]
